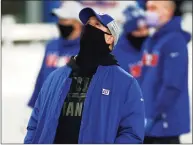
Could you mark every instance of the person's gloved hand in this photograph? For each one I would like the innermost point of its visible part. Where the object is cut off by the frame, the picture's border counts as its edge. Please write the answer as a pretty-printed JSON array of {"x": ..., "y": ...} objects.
[{"x": 148, "y": 125}]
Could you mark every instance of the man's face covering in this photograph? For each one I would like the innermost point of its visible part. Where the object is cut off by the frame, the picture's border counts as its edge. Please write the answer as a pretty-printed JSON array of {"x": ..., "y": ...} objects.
[
  {"x": 65, "y": 30},
  {"x": 93, "y": 42},
  {"x": 136, "y": 42},
  {"x": 93, "y": 46}
]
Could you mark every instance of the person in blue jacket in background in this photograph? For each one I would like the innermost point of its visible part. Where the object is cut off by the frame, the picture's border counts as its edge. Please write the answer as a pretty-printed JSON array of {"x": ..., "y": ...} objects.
[
  {"x": 58, "y": 51},
  {"x": 128, "y": 49},
  {"x": 164, "y": 77},
  {"x": 92, "y": 99}
]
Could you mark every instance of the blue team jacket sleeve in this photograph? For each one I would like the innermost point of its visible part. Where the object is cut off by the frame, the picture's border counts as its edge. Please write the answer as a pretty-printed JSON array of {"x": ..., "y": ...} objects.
[
  {"x": 32, "y": 125},
  {"x": 39, "y": 80},
  {"x": 131, "y": 128},
  {"x": 174, "y": 70},
  {"x": 34, "y": 119},
  {"x": 37, "y": 88}
]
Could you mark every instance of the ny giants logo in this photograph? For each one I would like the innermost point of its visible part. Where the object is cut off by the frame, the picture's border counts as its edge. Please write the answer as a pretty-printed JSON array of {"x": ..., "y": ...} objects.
[
  {"x": 105, "y": 92},
  {"x": 135, "y": 69},
  {"x": 148, "y": 59},
  {"x": 53, "y": 60}
]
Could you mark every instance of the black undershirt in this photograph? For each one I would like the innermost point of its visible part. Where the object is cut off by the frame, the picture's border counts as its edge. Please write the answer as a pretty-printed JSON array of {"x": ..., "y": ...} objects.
[
  {"x": 70, "y": 118},
  {"x": 71, "y": 113}
]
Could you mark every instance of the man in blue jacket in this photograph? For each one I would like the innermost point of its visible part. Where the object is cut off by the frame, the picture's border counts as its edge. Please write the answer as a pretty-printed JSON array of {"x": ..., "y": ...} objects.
[
  {"x": 58, "y": 51},
  {"x": 164, "y": 80},
  {"x": 128, "y": 49},
  {"x": 91, "y": 100}
]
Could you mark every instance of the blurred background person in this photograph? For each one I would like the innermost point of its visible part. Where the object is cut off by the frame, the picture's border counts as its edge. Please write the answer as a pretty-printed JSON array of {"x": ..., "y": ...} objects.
[
  {"x": 128, "y": 48},
  {"x": 58, "y": 51},
  {"x": 164, "y": 79}
]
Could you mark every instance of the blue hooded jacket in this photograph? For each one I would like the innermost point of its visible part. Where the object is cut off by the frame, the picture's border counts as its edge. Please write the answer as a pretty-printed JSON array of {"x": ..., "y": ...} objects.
[
  {"x": 113, "y": 117},
  {"x": 164, "y": 80},
  {"x": 127, "y": 56},
  {"x": 57, "y": 54}
]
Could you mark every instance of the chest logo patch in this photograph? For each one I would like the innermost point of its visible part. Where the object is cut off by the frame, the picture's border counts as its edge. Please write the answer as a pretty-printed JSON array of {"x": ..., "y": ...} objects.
[
  {"x": 135, "y": 69},
  {"x": 150, "y": 59},
  {"x": 105, "y": 92}
]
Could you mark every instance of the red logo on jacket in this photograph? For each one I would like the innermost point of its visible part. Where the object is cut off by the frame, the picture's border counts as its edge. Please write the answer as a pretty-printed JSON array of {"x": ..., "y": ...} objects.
[
  {"x": 53, "y": 60},
  {"x": 135, "y": 69},
  {"x": 149, "y": 59}
]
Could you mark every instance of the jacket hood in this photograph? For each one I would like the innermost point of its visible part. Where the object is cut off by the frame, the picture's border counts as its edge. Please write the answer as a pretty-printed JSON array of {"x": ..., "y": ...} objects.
[{"x": 174, "y": 25}]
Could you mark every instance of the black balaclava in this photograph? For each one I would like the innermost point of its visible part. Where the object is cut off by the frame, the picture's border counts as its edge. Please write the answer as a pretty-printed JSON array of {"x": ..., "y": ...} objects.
[
  {"x": 136, "y": 42},
  {"x": 94, "y": 51},
  {"x": 65, "y": 30}
]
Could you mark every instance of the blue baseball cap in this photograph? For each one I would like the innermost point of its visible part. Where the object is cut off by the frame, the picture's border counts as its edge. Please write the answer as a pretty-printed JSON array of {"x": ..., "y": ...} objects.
[{"x": 105, "y": 19}]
